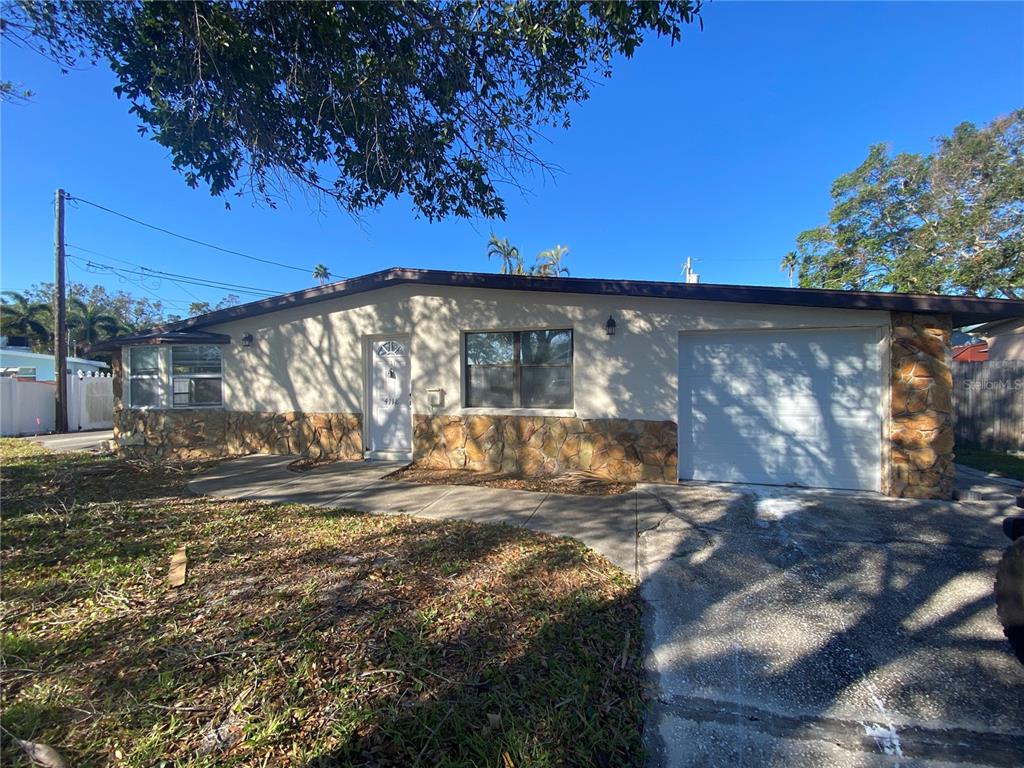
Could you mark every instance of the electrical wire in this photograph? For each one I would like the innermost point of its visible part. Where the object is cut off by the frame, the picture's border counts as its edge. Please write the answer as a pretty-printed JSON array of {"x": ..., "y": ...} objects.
[
  {"x": 176, "y": 278},
  {"x": 139, "y": 283},
  {"x": 122, "y": 261},
  {"x": 68, "y": 196},
  {"x": 161, "y": 299},
  {"x": 125, "y": 277}
]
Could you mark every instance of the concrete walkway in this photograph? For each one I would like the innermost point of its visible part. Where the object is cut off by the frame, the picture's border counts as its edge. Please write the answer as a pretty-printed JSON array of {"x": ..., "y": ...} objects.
[
  {"x": 975, "y": 485},
  {"x": 607, "y": 524}
]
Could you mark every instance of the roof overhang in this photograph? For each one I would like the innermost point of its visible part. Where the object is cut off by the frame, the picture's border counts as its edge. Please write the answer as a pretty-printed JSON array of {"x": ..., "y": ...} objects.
[
  {"x": 992, "y": 328},
  {"x": 160, "y": 336},
  {"x": 964, "y": 310}
]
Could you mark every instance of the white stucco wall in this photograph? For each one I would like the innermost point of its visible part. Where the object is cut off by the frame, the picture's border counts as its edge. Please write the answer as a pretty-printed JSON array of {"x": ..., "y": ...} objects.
[
  {"x": 311, "y": 358},
  {"x": 1007, "y": 343}
]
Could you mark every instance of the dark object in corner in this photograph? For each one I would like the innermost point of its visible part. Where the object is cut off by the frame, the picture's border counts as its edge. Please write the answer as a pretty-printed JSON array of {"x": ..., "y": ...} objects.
[{"x": 1009, "y": 586}]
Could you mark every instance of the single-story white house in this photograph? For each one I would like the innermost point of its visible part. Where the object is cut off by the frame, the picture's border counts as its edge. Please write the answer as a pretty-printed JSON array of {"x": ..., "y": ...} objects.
[
  {"x": 1005, "y": 338},
  {"x": 40, "y": 365},
  {"x": 631, "y": 380}
]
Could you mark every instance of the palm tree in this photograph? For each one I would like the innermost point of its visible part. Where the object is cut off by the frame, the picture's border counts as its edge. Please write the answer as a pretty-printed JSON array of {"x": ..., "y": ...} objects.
[
  {"x": 789, "y": 264},
  {"x": 511, "y": 259},
  {"x": 90, "y": 323},
  {"x": 321, "y": 273},
  {"x": 549, "y": 263},
  {"x": 23, "y": 317}
]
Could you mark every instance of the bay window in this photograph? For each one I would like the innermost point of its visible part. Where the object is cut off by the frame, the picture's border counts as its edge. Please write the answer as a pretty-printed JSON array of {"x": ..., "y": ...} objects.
[
  {"x": 519, "y": 369},
  {"x": 174, "y": 376}
]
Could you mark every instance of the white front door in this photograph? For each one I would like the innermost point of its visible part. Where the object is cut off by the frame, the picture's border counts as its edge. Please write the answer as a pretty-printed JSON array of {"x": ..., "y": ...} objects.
[
  {"x": 797, "y": 407},
  {"x": 390, "y": 429}
]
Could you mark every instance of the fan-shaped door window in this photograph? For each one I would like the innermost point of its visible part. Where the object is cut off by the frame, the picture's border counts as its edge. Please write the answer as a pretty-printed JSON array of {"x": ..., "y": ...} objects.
[{"x": 390, "y": 349}]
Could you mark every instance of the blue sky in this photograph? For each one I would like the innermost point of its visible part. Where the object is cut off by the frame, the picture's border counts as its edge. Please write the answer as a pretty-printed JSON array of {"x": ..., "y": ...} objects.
[{"x": 722, "y": 148}]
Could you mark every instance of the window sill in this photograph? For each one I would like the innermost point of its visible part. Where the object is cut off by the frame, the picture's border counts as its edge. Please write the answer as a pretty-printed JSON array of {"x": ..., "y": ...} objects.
[
  {"x": 558, "y": 412},
  {"x": 177, "y": 408}
]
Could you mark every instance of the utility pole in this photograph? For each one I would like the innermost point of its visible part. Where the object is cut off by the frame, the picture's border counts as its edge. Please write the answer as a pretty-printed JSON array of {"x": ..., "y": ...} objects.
[{"x": 60, "y": 336}]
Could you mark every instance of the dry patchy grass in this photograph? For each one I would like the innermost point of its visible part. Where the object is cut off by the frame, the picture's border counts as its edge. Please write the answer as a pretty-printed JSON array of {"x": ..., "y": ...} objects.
[{"x": 304, "y": 636}]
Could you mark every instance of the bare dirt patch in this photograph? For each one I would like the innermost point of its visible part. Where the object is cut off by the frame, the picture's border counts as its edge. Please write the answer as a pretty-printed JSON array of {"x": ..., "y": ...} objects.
[
  {"x": 305, "y": 463},
  {"x": 575, "y": 483}
]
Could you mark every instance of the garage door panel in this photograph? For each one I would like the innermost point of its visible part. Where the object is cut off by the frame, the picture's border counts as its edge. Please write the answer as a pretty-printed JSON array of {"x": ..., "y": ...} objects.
[{"x": 781, "y": 407}]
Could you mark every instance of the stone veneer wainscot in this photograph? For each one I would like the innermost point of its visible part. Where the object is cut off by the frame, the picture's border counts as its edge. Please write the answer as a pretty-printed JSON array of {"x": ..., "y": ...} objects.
[
  {"x": 205, "y": 433},
  {"x": 213, "y": 433},
  {"x": 619, "y": 449}
]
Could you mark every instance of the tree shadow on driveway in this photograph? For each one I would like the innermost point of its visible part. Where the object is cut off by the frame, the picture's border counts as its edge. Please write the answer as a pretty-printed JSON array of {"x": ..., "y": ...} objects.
[{"x": 826, "y": 630}]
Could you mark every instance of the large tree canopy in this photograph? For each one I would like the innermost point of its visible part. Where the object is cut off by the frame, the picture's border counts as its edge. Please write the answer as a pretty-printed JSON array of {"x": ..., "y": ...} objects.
[
  {"x": 949, "y": 222},
  {"x": 356, "y": 101}
]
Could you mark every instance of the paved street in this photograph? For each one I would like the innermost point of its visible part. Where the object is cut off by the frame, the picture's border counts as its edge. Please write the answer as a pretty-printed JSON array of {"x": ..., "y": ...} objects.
[{"x": 75, "y": 441}]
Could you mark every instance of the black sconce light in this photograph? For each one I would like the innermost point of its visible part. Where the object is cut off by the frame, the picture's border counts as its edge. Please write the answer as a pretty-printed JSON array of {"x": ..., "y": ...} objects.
[
  {"x": 246, "y": 339},
  {"x": 609, "y": 326}
]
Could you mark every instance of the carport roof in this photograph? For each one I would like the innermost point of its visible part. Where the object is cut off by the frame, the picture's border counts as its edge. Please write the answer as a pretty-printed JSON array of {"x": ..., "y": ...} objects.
[{"x": 965, "y": 310}]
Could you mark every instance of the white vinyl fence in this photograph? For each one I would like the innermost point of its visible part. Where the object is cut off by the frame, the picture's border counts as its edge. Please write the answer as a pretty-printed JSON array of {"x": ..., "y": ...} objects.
[
  {"x": 29, "y": 407},
  {"x": 90, "y": 401},
  {"x": 26, "y": 407}
]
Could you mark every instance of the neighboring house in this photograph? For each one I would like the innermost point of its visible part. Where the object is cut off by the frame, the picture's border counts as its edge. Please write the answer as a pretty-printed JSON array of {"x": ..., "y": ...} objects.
[
  {"x": 630, "y": 380},
  {"x": 1005, "y": 338},
  {"x": 42, "y": 366},
  {"x": 971, "y": 353}
]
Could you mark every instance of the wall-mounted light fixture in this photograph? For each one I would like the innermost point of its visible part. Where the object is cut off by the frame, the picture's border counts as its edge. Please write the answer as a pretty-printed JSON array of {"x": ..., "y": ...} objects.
[
  {"x": 609, "y": 326},
  {"x": 246, "y": 339}
]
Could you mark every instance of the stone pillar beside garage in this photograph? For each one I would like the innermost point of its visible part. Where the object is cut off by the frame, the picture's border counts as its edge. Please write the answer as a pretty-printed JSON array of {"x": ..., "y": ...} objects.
[{"x": 919, "y": 455}]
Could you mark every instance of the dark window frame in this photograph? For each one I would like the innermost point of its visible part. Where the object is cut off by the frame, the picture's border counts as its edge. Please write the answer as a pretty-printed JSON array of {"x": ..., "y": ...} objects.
[{"x": 517, "y": 366}]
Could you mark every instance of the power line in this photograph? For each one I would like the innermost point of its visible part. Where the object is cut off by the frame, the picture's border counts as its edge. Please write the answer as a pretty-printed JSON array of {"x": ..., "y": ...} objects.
[
  {"x": 177, "y": 278},
  {"x": 138, "y": 283},
  {"x": 129, "y": 263},
  {"x": 185, "y": 237},
  {"x": 92, "y": 269},
  {"x": 174, "y": 277},
  {"x": 196, "y": 279},
  {"x": 95, "y": 269},
  {"x": 134, "y": 278}
]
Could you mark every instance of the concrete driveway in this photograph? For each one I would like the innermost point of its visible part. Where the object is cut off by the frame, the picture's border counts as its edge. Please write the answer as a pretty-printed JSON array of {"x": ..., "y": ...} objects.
[
  {"x": 814, "y": 628},
  {"x": 784, "y": 627},
  {"x": 93, "y": 441}
]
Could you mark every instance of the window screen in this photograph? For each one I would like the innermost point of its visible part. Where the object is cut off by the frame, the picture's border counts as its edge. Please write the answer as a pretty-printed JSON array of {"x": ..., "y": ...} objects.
[
  {"x": 195, "y": 375},
  {"x": 144, "y": 385},
  {"x": 180, "y": 376}
]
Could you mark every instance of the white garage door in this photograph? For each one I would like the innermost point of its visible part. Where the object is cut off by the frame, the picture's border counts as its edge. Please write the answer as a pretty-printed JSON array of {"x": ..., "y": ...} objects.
[{"x": 781, "y": 407}]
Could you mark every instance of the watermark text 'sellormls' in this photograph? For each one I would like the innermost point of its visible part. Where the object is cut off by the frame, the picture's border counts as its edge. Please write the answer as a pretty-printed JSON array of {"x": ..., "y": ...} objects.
[{"x": 1012, "y": 385}]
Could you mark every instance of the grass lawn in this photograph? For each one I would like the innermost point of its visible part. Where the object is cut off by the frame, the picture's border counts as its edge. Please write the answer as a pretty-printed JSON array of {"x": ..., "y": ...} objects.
[
  {"x": 989, "y": 461},
  {"x": 303, "y": 636}
]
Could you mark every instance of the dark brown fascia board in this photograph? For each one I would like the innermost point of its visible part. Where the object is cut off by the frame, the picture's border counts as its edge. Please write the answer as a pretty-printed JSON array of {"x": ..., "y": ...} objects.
[
  {"x": 160, "y": 337},
  {"x": 964, "y": 310}
]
